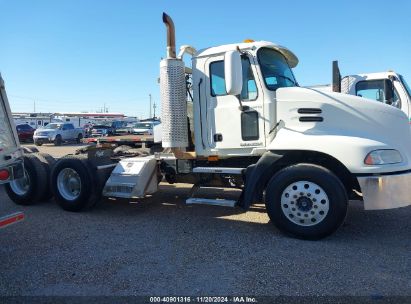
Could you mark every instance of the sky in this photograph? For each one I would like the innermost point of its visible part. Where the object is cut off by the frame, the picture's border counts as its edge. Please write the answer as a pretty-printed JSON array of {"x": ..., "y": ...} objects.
[{"x": 78, "y": 55}]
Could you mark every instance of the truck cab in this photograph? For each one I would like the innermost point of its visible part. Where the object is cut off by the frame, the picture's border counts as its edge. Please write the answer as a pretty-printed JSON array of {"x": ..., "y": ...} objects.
[
  {"x": 239, "y": 124},
  {"x": 386, "y": 87}
]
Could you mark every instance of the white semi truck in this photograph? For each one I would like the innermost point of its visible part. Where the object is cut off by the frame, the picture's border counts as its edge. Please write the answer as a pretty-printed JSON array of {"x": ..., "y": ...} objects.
[
  {"x": 249, "y": 126},
  {"x": 386, "y": 87}
]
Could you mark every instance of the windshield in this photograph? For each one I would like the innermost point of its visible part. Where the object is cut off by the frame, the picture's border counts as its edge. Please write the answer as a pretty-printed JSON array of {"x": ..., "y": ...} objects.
[
  {"x": 276, "y": 71},
  {"x": 143, "y": 126},
  {"x": 52, "y": 126},
  {"x": 407, "y": 87}
]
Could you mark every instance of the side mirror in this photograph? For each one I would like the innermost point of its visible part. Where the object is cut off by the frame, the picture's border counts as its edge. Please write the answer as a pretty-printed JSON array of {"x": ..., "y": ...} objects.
[{"x": 233, "y": 73}]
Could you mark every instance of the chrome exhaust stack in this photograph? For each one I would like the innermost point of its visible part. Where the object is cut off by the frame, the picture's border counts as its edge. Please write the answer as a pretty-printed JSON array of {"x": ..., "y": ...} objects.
[
  {"x": 173, "y": 95},
  {"x": 171, "y": 36}
]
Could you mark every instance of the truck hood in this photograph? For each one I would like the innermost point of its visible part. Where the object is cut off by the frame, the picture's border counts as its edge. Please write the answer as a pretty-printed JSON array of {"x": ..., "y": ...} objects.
[
  {"x": 332, "y": 122},
  {"x": 45, "y": 130}
]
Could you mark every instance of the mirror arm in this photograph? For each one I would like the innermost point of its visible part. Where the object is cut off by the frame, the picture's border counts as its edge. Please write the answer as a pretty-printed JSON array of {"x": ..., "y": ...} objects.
[{"x": 242, "y": 108}]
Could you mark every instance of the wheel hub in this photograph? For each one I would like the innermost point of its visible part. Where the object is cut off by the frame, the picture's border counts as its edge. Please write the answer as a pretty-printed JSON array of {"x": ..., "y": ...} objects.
[
  {"x": 21, "y": 186},
  {"x": 304, "y": 203},
  {"x": 69, "y": 184}
]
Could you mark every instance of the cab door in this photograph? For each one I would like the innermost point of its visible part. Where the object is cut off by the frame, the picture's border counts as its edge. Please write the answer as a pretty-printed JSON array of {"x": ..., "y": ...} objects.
[{"x": 229, "y": 127}]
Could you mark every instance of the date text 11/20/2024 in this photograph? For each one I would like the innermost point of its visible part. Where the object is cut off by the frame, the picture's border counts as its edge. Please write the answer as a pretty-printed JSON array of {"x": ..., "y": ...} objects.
[{"x": 203, "y": 299}]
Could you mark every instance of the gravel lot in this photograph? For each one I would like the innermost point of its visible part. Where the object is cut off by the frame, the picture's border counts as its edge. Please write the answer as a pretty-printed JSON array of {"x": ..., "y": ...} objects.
[{"x": 160, "y": 246}]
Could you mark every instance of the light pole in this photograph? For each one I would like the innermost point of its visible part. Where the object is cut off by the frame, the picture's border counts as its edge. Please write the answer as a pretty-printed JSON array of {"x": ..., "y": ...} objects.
[{"x": 150, "y": 104}]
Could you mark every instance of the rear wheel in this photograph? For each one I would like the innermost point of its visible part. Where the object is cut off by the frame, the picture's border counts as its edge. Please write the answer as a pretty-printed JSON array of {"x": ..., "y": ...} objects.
[
  {"x": 79, "y": 138},
  {"x": 48, "y": 162},
  {"x": 58, "y": 140},
  {"x": 306, "y": 201},
  {"x": 73, "y": 183},
  {"x": 33, "y": 187}
]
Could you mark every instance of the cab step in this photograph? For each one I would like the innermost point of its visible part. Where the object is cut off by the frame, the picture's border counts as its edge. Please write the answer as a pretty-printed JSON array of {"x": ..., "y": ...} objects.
[
  {"x": 213, "y": 202},
  {"x": 217, "y": 170}
]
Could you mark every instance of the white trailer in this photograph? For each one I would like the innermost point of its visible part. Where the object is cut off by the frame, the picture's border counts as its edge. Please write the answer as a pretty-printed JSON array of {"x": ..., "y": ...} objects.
[
  {"x": 23, "y": 172},
  {"x": 302, "y": 152}
]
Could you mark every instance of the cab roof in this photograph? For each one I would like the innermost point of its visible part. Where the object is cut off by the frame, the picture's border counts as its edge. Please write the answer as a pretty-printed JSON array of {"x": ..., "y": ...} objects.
[{"x": 290, "y": 56}]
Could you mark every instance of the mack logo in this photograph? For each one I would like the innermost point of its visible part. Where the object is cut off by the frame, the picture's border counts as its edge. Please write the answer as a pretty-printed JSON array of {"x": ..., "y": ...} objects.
[{"x": 249, "y": 144}]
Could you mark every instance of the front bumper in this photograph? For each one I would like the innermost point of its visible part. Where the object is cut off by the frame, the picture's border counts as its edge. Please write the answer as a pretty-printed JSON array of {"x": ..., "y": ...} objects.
[
  {"x": 386, "y": 191},
  {"x": 43, "y": 139}
]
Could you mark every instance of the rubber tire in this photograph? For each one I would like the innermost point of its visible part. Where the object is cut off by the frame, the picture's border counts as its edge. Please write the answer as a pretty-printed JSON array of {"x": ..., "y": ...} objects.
[
  {"x": 38, "y": 143},
  {"x": 30, "y": 149},
  {"x": 90, "y": 191},
  {"x": 323, "y": 177},
  {"x": 121, "y": 149},
  {"x": 38, "y": 178},
  {"x": 58, "y": 140},
  {"x": 48, "y": 162},
  {"x": 79, "y": 138}
]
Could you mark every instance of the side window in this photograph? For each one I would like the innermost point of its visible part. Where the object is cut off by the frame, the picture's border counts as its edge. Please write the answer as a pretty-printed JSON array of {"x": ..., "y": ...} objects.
[
  {"x": 249, "y": 90},
  {"x": 69, "y": 127},
  {"x": 217, "y": 78},
  {"x": 249, "y": 126},
  {"x": 371, "y": 89}
]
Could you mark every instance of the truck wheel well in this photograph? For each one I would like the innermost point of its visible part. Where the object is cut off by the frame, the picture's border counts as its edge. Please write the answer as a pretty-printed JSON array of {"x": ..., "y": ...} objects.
[{"x": 326, "y": 161}]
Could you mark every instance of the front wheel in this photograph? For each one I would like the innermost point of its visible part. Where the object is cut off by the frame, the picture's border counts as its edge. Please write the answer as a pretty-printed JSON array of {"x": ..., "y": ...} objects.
[{"x": 306, "y": 201}]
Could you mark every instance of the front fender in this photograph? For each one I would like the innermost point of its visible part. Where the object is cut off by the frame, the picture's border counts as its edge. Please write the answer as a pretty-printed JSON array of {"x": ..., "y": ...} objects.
[
  {"x": 257, "y": 176},
  {"x": 349, "y": 150}
]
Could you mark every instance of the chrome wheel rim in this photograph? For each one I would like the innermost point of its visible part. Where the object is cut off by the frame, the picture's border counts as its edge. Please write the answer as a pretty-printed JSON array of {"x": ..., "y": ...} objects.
[
  {"x": 305, "y": 203},
  {"x": 69, "y": 184},
  {"x": 22, "y": 185}
]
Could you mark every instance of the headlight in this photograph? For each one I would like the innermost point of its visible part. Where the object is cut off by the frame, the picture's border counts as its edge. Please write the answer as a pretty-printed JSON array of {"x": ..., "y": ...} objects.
[{"x": 383, "y": 157}]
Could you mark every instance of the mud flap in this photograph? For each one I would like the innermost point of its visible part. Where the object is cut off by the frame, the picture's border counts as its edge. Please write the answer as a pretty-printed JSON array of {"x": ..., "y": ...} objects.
[{"x": 256, "y": 178}]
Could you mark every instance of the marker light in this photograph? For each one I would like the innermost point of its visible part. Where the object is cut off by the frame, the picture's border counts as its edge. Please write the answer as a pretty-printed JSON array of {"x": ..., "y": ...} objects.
[
  {"x": 383, "y": 157},
  {"x": 4, "y": 174},
  {"x": 248, "y": 40}
]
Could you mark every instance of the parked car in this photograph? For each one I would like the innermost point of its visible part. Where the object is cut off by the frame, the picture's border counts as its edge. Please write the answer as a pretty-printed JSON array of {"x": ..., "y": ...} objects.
[
  {"x": 101, "y": 130},
  {"x": 57, "y": 133},
  {"x": 128, "y": 129},
  {"x": 118, "y": 126},
  {"x": 144, "y": 128},
  {"x": 87, "y": 129},
  {"x": 25, "y": 132}
]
